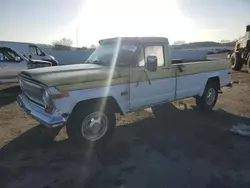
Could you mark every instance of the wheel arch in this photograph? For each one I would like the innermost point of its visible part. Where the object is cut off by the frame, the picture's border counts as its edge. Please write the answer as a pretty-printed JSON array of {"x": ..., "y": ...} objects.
[
  {"x": 214, "y": 79},
  {"x": 109, "y": 101}
]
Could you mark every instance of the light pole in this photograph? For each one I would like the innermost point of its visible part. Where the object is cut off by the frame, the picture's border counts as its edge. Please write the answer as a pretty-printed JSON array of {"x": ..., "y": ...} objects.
[{"x": 77, "y": 36}]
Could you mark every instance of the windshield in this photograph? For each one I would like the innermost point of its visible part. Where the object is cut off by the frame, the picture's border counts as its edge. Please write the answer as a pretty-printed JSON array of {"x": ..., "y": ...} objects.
[{"x": 105, "y": 54}]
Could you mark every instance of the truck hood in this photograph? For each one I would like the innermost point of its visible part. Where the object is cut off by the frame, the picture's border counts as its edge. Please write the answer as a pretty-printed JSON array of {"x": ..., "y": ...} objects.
[{"x": 73, "y": 74}]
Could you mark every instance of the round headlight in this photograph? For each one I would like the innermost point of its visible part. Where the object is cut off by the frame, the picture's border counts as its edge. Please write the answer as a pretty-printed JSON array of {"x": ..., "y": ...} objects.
[{"x": 46, "y": 97}]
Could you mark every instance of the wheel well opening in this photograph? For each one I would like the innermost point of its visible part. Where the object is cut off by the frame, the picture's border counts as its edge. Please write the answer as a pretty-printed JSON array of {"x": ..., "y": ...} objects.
[
  {"x": 215, "y": 80},
  {"x": 103, "y": 102}
]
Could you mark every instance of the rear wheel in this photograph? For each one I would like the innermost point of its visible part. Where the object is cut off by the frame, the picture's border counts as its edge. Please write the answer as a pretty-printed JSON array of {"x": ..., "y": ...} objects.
[
  {"x": 209, "y": 98},
  {"x": 91, "y": 127},
  {"x": 236, "y": 61}
]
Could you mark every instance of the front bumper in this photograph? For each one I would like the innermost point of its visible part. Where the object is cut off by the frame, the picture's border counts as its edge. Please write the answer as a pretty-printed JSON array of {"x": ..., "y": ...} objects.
[{"x": 38, "y": 113}]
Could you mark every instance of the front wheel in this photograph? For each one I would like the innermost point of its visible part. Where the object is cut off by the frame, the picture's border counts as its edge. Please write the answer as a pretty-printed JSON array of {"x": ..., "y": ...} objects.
[
  {"x": 91, "y": 127},
  {"x": 209, "y": 98}
]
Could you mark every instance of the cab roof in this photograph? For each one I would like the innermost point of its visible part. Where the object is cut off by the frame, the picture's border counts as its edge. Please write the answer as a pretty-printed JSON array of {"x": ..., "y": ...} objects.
[{"x": 137, "y": 39}]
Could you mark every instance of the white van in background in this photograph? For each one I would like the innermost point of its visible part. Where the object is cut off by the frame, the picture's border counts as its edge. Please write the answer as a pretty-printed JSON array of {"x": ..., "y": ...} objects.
[{"x": 29, "y": 50}]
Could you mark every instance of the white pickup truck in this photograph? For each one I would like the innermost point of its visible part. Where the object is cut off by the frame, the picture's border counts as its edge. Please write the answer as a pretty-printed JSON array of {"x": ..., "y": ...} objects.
[{"x": 121, "y": 76}]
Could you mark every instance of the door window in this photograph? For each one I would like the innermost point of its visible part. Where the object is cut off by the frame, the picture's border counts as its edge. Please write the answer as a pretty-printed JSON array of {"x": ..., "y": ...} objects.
[
  {"x": 155, "y": 51},
  {"x": 152, "y": 51},
  {"x": 34, "y": 50},
  {"x": 8, "y": 55},
  {"x": 141, "y": 62}
]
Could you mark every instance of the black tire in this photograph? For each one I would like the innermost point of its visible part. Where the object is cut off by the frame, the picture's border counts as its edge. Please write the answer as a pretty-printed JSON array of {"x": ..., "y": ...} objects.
[
  {"x": 236, "y": 61},
  {"x": 248, "y": 64},
  {"x": 202, "y": 102},
  {"x": 75, "y": 125},
  {"x": 48, "y": 134}
]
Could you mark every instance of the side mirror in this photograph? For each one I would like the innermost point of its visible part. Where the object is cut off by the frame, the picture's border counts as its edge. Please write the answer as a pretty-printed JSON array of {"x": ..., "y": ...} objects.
[
  {"x": 30, "y": 56},
  {"x": 151, "y": 63},
  {"x": 18, "y": 59}
]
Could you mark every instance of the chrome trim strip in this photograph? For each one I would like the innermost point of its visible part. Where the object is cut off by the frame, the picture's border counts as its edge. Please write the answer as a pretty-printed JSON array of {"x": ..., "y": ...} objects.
[{"x": 39, "y": 114}]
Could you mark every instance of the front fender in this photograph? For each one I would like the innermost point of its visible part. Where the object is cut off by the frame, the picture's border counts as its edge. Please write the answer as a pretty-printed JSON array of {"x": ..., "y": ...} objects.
[{"x": 67, "y": 104}]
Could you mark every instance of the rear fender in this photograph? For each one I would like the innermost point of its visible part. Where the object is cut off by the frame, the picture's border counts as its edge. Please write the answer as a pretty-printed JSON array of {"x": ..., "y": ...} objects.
[{"x": 211, "y": 76}]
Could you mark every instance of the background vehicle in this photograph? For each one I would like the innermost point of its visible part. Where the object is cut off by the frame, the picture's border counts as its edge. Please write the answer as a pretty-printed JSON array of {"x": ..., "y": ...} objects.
[
  {"x": 241, "y": 54},
  {"x": 11, "y": 63},
  {"x": 29, "y": 50},
  {"x": 86, "y": 97}
]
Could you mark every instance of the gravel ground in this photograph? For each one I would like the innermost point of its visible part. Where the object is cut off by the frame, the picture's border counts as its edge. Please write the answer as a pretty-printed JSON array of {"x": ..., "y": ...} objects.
[{"x": 185, "y": 149}]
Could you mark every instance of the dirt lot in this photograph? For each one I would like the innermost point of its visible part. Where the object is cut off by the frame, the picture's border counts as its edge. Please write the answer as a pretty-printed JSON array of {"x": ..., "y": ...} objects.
[{"x": 185, "y": 149}]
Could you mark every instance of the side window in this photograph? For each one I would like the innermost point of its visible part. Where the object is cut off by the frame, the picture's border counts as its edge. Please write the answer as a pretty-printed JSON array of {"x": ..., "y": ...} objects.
[
  {"x": 1, "y": 56},
  {"x": 34, "y": 50},
  {"x": 155, "y": 51},
  {"x": 39, "y": 52},
  {"x": 141, "y": 61},
  {"x": 7, "y": 55}
]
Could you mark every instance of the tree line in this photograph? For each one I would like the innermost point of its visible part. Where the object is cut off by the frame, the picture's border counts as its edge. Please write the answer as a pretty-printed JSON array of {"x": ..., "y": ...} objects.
[{"x": 66, "y": 44}]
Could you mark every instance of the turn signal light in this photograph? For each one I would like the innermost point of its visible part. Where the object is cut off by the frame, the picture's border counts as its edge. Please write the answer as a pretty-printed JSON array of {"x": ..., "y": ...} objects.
[{"x": 59, "y": 96}]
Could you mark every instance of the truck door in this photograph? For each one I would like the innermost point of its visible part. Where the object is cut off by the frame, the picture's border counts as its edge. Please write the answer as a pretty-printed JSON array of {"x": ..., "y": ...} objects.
[
  {"x": 10, "y": 65},
  {"x": 147, "y": 88}
]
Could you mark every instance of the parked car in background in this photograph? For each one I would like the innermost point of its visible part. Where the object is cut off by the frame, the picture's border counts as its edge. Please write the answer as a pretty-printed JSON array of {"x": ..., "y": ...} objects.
[
  {"x": 12, "y": 62},
  {"x": 29, "y": 50}
]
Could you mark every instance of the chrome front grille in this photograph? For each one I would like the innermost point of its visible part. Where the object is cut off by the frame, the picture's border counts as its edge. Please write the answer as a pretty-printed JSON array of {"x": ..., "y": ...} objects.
[{"x": 33, "y": 91}]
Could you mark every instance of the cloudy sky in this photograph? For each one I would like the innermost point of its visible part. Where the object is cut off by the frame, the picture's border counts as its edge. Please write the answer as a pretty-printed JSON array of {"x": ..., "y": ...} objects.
[{"x": 188, "y": 20}]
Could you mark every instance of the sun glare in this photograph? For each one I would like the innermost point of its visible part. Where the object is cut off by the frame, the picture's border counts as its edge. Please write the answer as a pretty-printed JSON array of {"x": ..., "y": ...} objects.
[{"x": 114, "y": 18}]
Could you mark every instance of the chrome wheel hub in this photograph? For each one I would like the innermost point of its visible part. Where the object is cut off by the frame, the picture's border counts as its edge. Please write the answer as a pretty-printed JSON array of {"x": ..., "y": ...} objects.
[
  {"x": 95, "y": 126},
  {"x": 210, "y": 97}
]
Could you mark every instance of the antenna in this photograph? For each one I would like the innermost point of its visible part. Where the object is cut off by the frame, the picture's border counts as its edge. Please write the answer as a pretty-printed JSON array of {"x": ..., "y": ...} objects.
[{"x": 77, "y": 36}]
